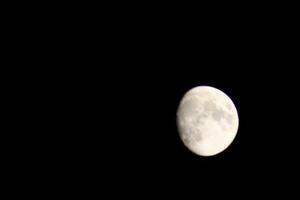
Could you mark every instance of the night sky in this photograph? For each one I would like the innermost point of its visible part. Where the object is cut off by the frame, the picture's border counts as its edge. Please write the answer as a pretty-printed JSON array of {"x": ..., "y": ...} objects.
[
  {"x": 141, "y": 143},
  {"x": 145, "y": 86},
  {"x": 100, "y": 106}
]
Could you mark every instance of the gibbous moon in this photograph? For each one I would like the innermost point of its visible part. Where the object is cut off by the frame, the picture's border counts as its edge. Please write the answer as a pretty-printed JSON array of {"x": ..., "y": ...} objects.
[{"x": 207, "y": 120}]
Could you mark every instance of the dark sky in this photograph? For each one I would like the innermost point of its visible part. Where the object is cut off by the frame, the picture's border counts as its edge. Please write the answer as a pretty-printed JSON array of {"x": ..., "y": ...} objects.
[
  {"x": 140, "y": 143},
  {"x": 145, "y": 86},
  {"x": 102, "y": 110}
]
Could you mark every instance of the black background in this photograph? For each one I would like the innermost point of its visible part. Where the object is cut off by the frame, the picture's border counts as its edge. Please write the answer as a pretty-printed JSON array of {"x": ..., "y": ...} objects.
[{"x": 100, "y": 95}]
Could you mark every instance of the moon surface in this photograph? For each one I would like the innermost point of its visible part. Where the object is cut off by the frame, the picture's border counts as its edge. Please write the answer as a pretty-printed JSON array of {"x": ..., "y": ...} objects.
[{"x": 207, "y": 120}]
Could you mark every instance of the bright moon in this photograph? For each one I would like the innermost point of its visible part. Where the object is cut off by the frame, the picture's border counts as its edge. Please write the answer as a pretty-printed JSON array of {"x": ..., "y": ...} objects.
[{"x": 207, "y": 120}]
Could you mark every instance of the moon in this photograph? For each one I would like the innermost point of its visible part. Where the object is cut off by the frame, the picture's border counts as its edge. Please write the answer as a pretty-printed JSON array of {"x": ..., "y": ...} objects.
[{"x": 207, "y": 120}]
